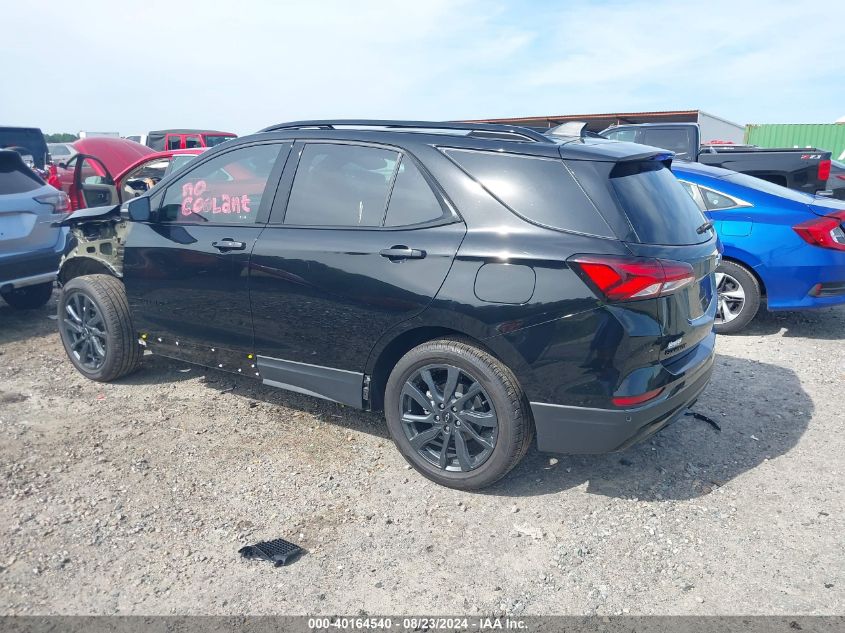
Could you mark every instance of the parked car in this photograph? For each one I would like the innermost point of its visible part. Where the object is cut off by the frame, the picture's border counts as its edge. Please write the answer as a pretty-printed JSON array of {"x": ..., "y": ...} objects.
[
  {"x": 28, "y": 142},
  {"x": 161, "y": 140},
  {"x": 473, "y": 281},
  {"x": 30, "y": 246},
  {"x": 95, "y": 160},
  {"x": 93, "y": 185},
  {"x": 781, "y": 247},
  {"x": 804, "y": 170},
  {"x": 61, "y": 152},
  {"x": 836, "y": 181}
]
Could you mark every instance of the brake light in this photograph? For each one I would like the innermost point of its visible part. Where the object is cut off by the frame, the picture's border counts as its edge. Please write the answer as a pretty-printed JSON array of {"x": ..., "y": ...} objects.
[
  {"x": 633, "y": 401},
  {"x": 826, "y": 232},
  {"x": 824, "y": 169},
  {"x": 618, "y": 278},
  {"x": 59, "y": 201}
]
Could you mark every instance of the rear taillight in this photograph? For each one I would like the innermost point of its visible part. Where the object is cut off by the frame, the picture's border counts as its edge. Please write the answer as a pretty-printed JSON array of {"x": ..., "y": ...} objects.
[
  {"x": 59, "y": 201},
  {"x": 633, "y": 401},
  {"x": 824, "y": 170},
  {"x": 826, "y": 231},
  {"x": 617, "y": 278}
]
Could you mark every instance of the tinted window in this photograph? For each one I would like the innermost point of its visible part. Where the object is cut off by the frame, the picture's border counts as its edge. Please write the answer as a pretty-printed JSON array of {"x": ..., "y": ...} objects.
[
  {"x": 177, "y": 162},
  {"x": 215, "y": 139},
  {"x": 678, "y": 140},
  {"x": 192, "y": 142},
  {"x": 174, "y": 142},
  {"x": 541, "y": 190},
  {"x": 715, "y": 200},
  {"x": 412, "y": 200},
  {"x": 622, "y": 135},
  {"x": 341, "y": 185},
  {"x": 227, "y": 188},
  {"x": 15, "y": 177},
  {"x": 658, "y": 208}
]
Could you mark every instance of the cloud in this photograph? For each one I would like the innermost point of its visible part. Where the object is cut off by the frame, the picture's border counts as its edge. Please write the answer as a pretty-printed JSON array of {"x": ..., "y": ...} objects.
[{"x": 242, "y": 66}]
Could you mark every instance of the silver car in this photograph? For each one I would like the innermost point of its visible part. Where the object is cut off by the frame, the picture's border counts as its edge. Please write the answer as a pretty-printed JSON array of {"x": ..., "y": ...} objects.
[{"x": 30, "y": 246}]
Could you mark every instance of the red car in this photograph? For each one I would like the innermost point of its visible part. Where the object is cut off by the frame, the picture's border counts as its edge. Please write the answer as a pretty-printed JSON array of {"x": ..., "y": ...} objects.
[{"x": 89, "y": 181}]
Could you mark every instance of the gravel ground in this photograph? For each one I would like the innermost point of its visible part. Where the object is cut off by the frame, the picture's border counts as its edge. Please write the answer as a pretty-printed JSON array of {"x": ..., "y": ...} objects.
[{"x": 134, "y": 497}]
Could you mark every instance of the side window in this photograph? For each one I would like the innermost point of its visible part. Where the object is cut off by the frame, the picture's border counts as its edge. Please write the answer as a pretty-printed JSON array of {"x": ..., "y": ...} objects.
[
  {"x": 412, "y": 200},
  {"x": 678, "y": 140},
  {"x": 714, "y": 200},
  {"x": 622, "y": 135},
  {"x": 541, "y": 190},
  {"x": 174, "y": 141},
  {"x": 226, "y": 189},
  {"x": 694, "y": 193},
  {"x": 341, "y": 185},
  {"x": 192, "y": 142},
  {"x": 143, "y": 178}
]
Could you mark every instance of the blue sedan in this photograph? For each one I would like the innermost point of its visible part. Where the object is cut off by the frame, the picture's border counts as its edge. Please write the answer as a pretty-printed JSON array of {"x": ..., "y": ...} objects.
[{"x": 780, "y": 245}]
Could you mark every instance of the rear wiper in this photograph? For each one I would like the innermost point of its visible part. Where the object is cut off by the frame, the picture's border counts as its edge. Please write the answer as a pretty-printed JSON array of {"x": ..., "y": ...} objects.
[{"x": 704, "y": 227}]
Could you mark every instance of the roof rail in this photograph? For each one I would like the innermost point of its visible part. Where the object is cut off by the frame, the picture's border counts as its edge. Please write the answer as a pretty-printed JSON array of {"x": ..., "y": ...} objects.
[{"x": 478, "y": 130}]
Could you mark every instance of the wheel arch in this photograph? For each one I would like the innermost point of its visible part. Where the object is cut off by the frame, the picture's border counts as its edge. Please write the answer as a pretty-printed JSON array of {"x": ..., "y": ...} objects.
[
  {"x": 81, "y": 265},
  {"x": 385, "y": 358},
  {"x": 749, "y": 263}
]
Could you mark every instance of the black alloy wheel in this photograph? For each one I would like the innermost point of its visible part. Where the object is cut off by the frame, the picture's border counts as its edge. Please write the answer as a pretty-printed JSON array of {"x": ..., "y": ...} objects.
[
  {"x": 448, "y": 418},
  {"x": 86, "y": 331}
]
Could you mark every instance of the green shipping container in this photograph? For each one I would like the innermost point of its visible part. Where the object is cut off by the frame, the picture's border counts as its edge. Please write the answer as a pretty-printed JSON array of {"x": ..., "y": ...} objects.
[{"x": 829, "y": 136}]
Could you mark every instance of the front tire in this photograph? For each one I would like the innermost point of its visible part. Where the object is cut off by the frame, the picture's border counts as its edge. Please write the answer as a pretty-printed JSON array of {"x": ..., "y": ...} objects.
[
  {"x": 29, "y": 297},
  {"x": 457, "y": 414},
  {"x": 739, "y": 297},
  {"x": 96, "y": 328}
]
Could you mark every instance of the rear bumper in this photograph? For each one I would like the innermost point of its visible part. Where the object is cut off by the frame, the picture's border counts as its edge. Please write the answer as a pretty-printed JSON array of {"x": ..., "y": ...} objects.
[
  {"x": 791, "y": 285},
  {"x": 27, "y": 269},
  {"x": 574, "y": 430}
]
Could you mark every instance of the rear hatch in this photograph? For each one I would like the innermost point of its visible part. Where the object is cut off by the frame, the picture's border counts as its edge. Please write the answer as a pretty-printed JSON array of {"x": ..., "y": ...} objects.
[
  {"x": 25, "y": 222},
  {"x": 657, "y": 220}
]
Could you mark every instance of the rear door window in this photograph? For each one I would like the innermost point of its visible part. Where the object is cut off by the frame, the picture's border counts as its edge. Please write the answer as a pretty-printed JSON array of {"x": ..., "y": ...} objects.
[
  {"x": 174, "y": 141},
  {"x": 540, "y": 190},
  {"x": 341, "y": 185},
  {"x": 659, "y": 209}
]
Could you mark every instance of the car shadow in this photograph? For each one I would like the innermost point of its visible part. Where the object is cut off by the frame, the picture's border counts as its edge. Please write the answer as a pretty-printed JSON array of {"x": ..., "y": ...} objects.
[
  {"x": 158, "y": 369},
  {"x": 824, "y": 323},
  {"x": 762, "y": 410}
]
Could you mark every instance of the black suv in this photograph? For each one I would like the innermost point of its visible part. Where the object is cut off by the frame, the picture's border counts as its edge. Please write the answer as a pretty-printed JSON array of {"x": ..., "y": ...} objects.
[{"x": 476, "y": 282}]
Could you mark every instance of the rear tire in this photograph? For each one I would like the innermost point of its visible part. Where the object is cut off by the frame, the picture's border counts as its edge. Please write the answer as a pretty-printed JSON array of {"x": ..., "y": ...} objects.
[
  {"x": 96, "y": 328},
  {"x": 485, "y": 435},
  {"x": 739, "y": 297},
  {"x": 29, "y": 297}
]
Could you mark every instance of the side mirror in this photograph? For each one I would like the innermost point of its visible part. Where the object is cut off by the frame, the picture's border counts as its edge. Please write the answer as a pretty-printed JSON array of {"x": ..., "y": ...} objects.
[{"x": 139, "y": 209}]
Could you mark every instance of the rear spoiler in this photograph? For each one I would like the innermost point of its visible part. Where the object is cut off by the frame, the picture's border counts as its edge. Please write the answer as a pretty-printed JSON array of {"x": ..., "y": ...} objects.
[{"x": 94, "y": 213}]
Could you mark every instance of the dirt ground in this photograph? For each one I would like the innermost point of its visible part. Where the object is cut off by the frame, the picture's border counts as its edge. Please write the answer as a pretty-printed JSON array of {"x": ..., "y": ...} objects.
[{"x": 135, "y": 497}]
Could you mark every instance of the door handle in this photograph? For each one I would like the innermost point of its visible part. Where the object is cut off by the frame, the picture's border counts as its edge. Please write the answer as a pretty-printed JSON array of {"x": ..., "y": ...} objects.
[
  {"x": 398, "y": 253},
  {"x": 228, "y": 244}
]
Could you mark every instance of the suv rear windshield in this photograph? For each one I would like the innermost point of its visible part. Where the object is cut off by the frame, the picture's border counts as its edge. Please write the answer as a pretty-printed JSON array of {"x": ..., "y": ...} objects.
[
  {"x": 15, "y": 177},
  {"x": 659, "y": 209}
]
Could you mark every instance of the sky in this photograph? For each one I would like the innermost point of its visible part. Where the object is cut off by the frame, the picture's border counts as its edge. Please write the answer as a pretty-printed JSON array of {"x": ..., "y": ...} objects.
[{"x": 241, "y": 66}]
